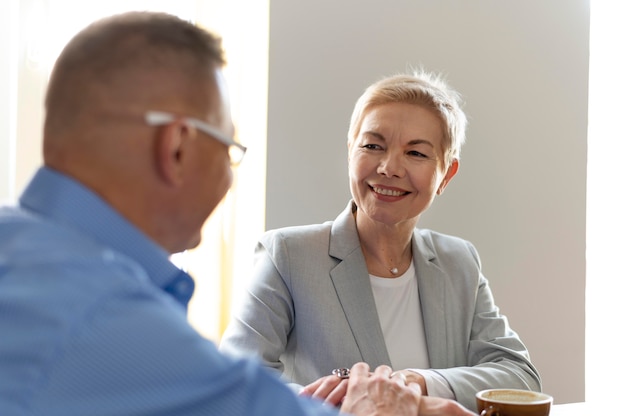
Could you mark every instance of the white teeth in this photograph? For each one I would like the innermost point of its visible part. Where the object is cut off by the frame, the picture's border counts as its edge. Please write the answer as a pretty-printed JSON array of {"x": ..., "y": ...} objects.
[{"x": 387, "y": 192}]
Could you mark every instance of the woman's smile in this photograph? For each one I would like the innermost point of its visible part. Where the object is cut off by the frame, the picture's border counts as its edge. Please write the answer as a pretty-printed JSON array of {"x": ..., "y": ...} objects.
[{"x": 384, "y": 191}]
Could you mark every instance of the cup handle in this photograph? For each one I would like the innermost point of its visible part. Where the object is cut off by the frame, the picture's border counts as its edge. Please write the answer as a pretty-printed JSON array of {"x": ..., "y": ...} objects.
[{"x": 490, "y": 411}]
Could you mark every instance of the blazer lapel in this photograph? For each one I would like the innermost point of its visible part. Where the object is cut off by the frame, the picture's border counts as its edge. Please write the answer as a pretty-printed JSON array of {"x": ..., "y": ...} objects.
[
  {"x": 431, "y": 282},
  {"x": 351, "y": 280}
]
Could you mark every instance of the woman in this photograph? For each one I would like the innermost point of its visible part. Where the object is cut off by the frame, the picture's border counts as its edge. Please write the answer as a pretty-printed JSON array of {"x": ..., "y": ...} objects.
[{"x": 372, "y": 287}]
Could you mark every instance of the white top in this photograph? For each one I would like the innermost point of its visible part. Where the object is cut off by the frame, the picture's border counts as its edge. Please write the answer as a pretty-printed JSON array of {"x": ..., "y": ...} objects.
[{"x": 400, "y": 314}]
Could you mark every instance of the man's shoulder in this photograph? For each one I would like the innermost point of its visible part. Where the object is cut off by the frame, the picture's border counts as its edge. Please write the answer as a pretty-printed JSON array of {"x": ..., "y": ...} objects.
[
  {"x": 29, "y": 238},
  {"x": 36, "y": 251}
]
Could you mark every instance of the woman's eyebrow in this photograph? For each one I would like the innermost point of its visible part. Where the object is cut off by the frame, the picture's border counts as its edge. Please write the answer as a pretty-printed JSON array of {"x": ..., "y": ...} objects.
[
  {"x": 375, "y": 134},
  {"x": 410, "y": 143},
  {"x": 421, "y": 141}
]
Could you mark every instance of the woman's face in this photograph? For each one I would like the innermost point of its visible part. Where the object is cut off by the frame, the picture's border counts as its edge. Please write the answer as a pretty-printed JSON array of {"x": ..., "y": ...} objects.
[{"x": 396, "y": 163}]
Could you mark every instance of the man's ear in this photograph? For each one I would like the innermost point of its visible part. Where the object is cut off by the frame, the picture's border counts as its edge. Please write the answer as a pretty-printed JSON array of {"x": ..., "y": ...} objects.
[
  {"x": 452, "y": 170},
  {"x": 170, "y": 150}
]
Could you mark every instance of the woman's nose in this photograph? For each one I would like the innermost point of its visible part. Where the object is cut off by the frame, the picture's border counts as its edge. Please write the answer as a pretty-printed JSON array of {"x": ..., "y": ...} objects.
[{"x": 391, "y": 164}]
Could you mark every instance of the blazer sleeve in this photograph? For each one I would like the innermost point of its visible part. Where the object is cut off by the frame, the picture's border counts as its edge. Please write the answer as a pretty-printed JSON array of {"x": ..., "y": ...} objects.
[
  {"x": 496, "y": 356},
  {"x": 261, "y": 324}
]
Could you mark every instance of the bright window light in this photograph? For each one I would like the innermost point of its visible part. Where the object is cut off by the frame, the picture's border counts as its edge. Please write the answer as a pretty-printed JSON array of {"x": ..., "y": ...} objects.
[
  {"x": 222, "y": 263},
  {"x": 606, "y": 205}
]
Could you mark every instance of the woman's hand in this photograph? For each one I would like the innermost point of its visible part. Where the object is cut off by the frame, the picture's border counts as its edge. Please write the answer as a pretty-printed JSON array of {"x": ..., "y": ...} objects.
[
  {"x": 330, "y": 389},
  {"x": 413, "y": 377}
]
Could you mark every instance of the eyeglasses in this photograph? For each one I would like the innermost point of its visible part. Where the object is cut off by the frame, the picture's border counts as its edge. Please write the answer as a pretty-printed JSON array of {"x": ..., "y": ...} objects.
[{"x": 236, "y": 151}]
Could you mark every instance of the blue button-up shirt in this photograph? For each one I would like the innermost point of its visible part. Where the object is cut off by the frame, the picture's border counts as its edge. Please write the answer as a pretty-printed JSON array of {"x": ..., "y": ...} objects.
[{"x": 93, "y": 320}]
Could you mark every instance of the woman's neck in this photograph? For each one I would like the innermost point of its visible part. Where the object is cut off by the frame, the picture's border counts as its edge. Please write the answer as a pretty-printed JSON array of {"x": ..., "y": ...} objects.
[{"x": 387, "y": 249}]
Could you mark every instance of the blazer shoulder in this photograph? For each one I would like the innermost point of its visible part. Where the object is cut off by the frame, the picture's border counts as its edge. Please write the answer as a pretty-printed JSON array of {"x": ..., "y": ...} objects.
[
  {"x": 299, "y": 236},
  {"x": 337, "y": 238},
  {"x": 299, "y": 230},
  {"x": 445, "y": 245}
]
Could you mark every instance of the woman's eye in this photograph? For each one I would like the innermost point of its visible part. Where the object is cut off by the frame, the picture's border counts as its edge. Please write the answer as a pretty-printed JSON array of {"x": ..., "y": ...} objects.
[
  {"x": 415, "y": 153},
  {"x": 371, "y": 146}
]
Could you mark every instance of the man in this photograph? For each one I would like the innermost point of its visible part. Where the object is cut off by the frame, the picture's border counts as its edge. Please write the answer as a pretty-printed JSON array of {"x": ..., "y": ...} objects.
[{"x": 137, "y": 151}]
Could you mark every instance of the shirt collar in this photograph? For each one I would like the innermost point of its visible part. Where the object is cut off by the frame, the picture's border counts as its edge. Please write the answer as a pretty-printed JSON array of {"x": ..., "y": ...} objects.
[{"x": 64, "y": 200}]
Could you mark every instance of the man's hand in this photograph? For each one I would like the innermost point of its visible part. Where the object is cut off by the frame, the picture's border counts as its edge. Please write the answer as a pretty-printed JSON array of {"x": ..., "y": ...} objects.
[
  {"x": 379, "y": 395},
  {"x": 332, "y": 389}
]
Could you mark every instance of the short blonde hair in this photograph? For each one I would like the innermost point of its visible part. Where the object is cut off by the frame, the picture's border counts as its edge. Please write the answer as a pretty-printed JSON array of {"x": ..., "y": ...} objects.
[{"x": 420, "y": 88}]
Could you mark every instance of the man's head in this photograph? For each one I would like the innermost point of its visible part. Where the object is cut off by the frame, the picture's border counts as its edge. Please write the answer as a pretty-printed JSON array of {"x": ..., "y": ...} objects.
[{"x": 168, "y": 177}]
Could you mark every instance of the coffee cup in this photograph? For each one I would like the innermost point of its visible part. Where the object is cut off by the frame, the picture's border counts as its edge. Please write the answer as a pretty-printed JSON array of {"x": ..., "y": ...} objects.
[{"x": 513, "y": 402}]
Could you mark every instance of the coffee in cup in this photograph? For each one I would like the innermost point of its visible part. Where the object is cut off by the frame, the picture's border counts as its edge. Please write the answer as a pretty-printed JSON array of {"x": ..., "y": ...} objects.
[{"x": 513, "y": 402}]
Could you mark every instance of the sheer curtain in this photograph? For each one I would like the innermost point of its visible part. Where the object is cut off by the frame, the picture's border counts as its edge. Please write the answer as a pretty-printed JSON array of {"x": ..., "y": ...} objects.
[
  {"x": 34, "y": 33},
  {"x": 8, "y": 97}
]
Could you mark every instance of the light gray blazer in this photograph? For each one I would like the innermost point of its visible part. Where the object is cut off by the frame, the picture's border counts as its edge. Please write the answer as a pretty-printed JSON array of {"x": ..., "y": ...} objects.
[{"x": 310, "y": 309}]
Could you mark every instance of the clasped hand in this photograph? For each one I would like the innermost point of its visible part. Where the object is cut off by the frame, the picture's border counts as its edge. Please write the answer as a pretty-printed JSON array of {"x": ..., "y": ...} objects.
[
  {"x": 381, "y": 392},
  {"x": 333, "y": 389}
]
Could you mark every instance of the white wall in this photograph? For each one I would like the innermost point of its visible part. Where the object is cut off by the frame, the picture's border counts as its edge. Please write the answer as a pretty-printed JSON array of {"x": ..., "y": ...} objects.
[{"x": 522, "y": 67}]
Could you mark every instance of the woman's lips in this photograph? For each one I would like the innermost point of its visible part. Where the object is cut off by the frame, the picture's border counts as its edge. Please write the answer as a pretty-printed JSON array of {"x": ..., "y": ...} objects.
[{"x": 387, "y": 191}]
